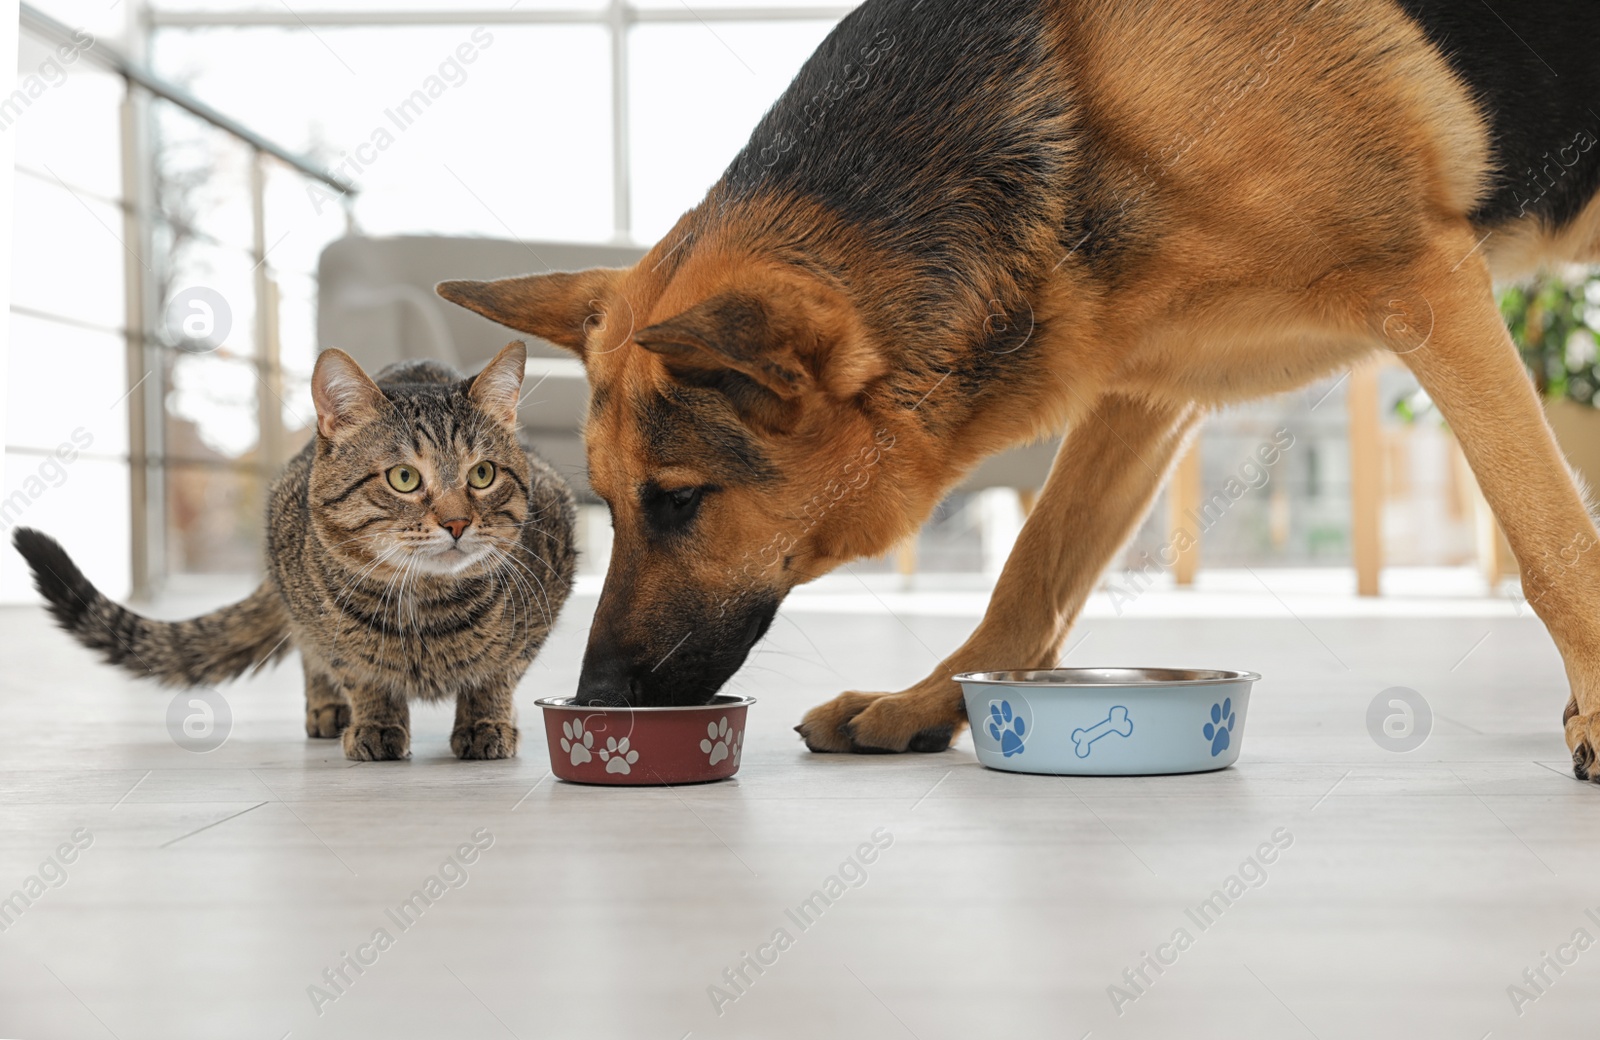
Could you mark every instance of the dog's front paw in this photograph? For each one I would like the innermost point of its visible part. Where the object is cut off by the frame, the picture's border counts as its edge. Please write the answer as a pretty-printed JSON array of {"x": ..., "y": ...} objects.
[
  {"x": 483, "y": 740},
  {"x": 327, "y": 720},
  {"x": 1583, "y": 740},
  {"x": 369, "y": 742},
  {"x": 825, "y": 727},
  {"x": 923, "y": 718}
]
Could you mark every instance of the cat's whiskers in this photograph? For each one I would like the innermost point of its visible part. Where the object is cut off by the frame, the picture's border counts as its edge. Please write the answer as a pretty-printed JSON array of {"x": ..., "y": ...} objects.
[
  {"x": 530, "y": 552},
  {"x": 399, "y": 599},
  {"x": 400, "y": 604},
  {"x": 507, "y": 562},
  {"x": 525, "y": 592},
  {"x": 341, "y": 598},
  {"x": 526, "y": 523},
  {"x": 516, "y": 599},
  {"x": 383, "y": 610},
  {"x": 355, "y": 538},
  {"x": 358, "y": 575},
  {"x": 377, "y": 561},
  {"x": 496, "y": 575},
  {"x": 511, "y": 559},
  {"x": 417, "y": 571}
]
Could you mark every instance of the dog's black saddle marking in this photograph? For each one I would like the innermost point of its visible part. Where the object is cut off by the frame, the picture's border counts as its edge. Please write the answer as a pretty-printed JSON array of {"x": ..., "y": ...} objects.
[{"x": 1533, "y": 69}]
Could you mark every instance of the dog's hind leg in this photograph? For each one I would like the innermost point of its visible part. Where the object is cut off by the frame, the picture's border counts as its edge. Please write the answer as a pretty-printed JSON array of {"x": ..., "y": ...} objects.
[
  {"x": 1469, "y": 366},
  {"x": 1103, "y": 480}
]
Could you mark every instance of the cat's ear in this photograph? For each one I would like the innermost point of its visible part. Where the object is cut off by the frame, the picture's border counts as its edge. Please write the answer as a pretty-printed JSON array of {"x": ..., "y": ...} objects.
[
  {"x": 344, "y": 396},
  {"x": 497, "y": 387},
  {"x": 561, "y": 306}
]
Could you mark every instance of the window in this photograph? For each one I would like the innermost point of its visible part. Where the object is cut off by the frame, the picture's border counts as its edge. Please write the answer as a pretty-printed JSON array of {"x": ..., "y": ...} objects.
[{"x": 522, "y": 126}]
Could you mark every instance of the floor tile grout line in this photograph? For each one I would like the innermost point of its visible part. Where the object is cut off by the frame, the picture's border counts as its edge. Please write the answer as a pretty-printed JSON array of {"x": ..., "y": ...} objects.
[{"x": 1553, "y": 769}]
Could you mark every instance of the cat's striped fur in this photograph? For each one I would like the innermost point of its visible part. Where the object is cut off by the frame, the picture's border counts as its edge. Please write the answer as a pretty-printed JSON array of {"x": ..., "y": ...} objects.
[{"x": 384, "y": 600}]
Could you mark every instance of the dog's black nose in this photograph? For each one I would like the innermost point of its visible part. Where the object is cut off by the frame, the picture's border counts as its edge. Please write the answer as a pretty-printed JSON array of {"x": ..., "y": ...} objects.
[{"x": 606, "y": 681}]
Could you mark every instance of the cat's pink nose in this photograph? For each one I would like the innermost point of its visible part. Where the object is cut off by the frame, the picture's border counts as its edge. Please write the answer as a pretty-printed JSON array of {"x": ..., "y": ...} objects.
[{"x": 456, "y": 527}]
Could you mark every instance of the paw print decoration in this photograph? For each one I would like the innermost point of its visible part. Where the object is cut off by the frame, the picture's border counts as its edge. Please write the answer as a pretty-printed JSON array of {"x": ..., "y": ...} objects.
[
  {"x": 721, "y": 741},
  {"x": 618, "y": 756},
  {"x": 575, "y": 742},
  {"x": 1220, "y": 729},
  {"x": 1006, "y": 728}
]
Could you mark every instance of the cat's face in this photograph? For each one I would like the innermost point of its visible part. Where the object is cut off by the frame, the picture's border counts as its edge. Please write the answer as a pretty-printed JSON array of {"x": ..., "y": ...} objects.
[{"x": 429, "y": 479}]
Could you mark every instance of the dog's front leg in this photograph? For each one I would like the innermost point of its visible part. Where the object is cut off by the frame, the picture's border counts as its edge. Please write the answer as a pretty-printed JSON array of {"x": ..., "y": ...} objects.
[{"x": 1108, "y": 470}]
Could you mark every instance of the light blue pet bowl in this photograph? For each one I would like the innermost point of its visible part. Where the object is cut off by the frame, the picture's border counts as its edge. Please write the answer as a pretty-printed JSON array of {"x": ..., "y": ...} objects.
[{"x": 1107, "y": 721}]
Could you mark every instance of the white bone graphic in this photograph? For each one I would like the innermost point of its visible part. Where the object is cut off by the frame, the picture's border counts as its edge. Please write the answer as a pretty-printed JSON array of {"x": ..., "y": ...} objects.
[{"x": 1115, "y": 722}]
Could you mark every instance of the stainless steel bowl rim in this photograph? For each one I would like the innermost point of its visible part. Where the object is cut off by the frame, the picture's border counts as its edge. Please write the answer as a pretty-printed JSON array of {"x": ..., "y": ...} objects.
[
  {"x": 1082, "y": 678},
  {"x": 718, "y": 703}
]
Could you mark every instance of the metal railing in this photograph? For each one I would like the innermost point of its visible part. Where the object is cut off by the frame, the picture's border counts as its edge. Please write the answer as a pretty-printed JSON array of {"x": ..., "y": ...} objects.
[
  {"x": 148, "y": 356},
  {"x": 617, "y": 16},
  {"x": 40, "y": 24}
]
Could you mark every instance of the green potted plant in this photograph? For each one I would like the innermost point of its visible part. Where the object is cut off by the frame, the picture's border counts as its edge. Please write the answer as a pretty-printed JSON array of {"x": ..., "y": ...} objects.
[{"x": 1554, "y": 321}]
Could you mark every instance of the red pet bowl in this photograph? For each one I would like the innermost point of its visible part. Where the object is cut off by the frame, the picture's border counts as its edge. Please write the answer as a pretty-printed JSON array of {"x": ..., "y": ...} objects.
[{"x": 687, "y": 745}]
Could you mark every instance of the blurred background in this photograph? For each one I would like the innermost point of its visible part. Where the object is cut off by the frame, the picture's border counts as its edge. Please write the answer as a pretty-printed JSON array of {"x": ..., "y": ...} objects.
[{"x": 182, "y": 167}]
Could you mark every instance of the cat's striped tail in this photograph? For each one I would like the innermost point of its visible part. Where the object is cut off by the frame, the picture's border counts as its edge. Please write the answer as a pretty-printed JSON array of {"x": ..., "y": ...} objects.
[{"x": 214, "y": 647}]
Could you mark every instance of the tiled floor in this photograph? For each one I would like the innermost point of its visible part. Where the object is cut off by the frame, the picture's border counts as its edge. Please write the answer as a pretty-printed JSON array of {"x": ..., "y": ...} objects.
[{"x": 1407, "y": 894}]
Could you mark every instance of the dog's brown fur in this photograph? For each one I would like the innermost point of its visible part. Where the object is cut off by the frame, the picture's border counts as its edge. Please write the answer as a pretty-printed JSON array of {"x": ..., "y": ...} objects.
[{"x": 1270, "y": 192}]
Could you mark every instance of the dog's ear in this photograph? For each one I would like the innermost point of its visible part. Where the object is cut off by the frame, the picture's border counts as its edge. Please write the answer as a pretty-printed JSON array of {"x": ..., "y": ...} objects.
[
  {"x": 786, "y": 334},
  {"x": 560, "y": 307},
  {"x": 736, "y": 330}
]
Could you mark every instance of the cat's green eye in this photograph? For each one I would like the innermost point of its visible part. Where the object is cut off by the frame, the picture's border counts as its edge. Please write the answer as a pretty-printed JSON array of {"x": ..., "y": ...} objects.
[
  {"x": 482, "y": 475},
  {"x": 404, "y": 478}
]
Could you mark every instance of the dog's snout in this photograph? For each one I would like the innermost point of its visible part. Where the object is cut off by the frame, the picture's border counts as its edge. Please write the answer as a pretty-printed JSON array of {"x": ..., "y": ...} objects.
[
  {"x": 607, "y": 681},
  {"x": 758, "y": 624}
]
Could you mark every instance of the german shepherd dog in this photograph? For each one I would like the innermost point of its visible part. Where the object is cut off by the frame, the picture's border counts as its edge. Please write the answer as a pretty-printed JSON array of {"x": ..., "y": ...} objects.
[{"x": 970, "y": 223}]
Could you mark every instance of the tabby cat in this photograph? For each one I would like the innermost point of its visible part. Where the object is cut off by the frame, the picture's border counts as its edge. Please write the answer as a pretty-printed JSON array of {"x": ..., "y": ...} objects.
[{"x": 414, "y": 549}]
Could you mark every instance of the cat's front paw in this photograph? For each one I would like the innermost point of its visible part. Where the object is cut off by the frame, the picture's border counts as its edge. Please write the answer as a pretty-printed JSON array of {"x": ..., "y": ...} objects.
[
  {"x": 327, "y": 720},
  {"x": 367, "y": 742},
  {"x": 486, "y": 739}
]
